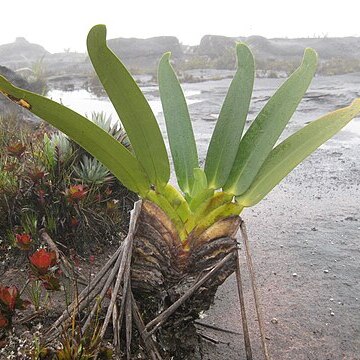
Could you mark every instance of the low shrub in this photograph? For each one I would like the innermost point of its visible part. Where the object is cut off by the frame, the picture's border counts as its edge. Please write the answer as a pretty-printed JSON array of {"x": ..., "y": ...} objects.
[{"x": 48, "y": 181}]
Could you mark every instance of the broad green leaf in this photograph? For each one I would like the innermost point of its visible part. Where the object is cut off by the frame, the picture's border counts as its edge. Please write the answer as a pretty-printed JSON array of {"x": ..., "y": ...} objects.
[
  {"x": 227, "y": 134},
  {"x": 209, "y": 203},
  {"x": 178, "y": 125},
  {"x": 268, "y": 126},
  {"x": 222, "y": 212},
  {"x": 177, "y": 201},
  {"x": 292, "y": 151},
  {"x": 200, "y": 182},
  {"x": 133, "y": 109},
  {"x": 88, "y": 135},
  {"x": 200, "y": 199}
]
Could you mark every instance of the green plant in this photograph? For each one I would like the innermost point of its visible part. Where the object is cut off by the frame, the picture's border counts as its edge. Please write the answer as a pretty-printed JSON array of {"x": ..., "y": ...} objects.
[
  {"x": 91, "y": 171},
  {"x": 113, "y": 128},
  {"x": 38, "y": 296},
  {"x": 37, "y": 169},
  {"x": 9, "y": 301},
  {"x": 79, "y": 345},
  {"x": 182, "y": 233},
  {"x": 246, "y": 168}
]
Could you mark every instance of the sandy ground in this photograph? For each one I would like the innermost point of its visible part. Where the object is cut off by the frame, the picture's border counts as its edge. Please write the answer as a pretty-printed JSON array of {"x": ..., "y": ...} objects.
[{"x": 306, "y": 249}]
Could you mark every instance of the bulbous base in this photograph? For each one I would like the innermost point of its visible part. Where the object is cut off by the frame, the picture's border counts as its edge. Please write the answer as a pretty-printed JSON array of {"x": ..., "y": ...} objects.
[{"x": 162, "y": 271}]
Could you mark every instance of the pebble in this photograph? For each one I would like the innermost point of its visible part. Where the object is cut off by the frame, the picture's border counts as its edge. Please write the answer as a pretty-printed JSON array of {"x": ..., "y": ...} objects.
[
  {"x": 351, "y": 218},
  {"x": 331, "y": 299},
  {"x": 332, "y": 313},
  {"x": 326, "y": 271},
  {"x": 294, "y": 275},
  {"x": 274, "y": 320}
]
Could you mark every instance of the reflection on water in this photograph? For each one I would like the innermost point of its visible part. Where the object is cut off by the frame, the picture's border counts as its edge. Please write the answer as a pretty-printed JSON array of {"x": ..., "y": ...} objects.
[{"x": 84, "y": 102}]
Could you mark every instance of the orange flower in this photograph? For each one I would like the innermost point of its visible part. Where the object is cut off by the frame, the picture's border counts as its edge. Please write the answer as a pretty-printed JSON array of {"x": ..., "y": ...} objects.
[
  {"x": 16, "y": 150},
  {"x": 76, "y": 193},
  {"x": 23, "y": 241},
  {"x": 4, "y": 322},
  {"x": 8, "y": 296},
  {"x": 42, "y": 260}
]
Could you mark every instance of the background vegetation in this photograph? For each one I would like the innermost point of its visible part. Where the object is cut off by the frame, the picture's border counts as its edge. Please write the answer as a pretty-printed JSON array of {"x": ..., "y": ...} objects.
[{"x": 48, "y": 181}]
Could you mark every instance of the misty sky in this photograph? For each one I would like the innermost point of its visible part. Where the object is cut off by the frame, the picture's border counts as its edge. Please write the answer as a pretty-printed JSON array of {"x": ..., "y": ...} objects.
[{"x": 58, "y": 25}]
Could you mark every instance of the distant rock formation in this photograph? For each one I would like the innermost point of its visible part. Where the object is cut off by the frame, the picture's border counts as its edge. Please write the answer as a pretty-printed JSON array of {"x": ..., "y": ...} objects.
[
  {"x": 145, "y": 53},
  {"x": 274, "y": 57},
  {"x": 214, "y": 45},
  {"x": 265, "y": 49},
  {"x": 21, "y": 49}
]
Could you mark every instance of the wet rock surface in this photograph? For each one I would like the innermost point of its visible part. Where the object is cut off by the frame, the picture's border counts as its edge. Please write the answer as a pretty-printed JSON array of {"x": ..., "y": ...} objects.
[
  {"x": 308, "y": 226},
  {"x": 317, "y": 311}
]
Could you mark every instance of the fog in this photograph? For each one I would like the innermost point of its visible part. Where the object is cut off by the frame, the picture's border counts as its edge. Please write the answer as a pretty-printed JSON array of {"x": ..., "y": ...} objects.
[{"x": 64, "y": 25}]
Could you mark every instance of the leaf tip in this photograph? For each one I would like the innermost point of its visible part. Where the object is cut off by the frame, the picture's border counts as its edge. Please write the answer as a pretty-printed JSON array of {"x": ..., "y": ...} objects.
[
  {"x": 243, "y": 51},
  {"x": 166, "y": 57},
  {"x": 356, "y": 102},
  {"x": 98, "y": 31},
  {"x": 310, "y": 56},
  {"x": 240, "y": 45}
]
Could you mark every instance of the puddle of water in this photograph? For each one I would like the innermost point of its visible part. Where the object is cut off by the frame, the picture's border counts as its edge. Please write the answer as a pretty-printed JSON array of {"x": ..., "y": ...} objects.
[
  {"x": 85, "y": 103},
  {"x": 349, "y": 135},
  {"x": 353, "y": 127}
]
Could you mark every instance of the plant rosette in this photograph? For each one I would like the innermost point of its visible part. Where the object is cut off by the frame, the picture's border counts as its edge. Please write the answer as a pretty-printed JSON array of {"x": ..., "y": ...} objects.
[
  {"x": 75, "y": 193},
  {"x": 23, "y": 241},
  {"x": 44, "y": 265},
  {"x": 36, "y": 175},
  {"x": 10, "y": 301},
  {"x": 16, "y": 150},
  {"x": 184, "y": 231}
]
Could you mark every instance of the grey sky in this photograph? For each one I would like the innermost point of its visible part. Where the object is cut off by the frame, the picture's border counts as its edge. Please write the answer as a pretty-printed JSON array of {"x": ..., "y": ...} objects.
[{"x": 64, "y": 24}]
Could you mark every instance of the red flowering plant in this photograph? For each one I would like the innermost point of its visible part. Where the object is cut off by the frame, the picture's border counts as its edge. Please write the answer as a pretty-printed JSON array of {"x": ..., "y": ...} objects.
[
  {"x": 9, "y": 301},
  {"x": 10, "y": 167},
  {"x": 23, "y": 241},
  {"x": 75, "y": 193},
  {"x": 17, "y": 150},
  {"x": 4, "y": 322},
  {"x": 36, "y": 174},
  {"x": 45, "y": 268},
  {"x": 74, "y": 222}
]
